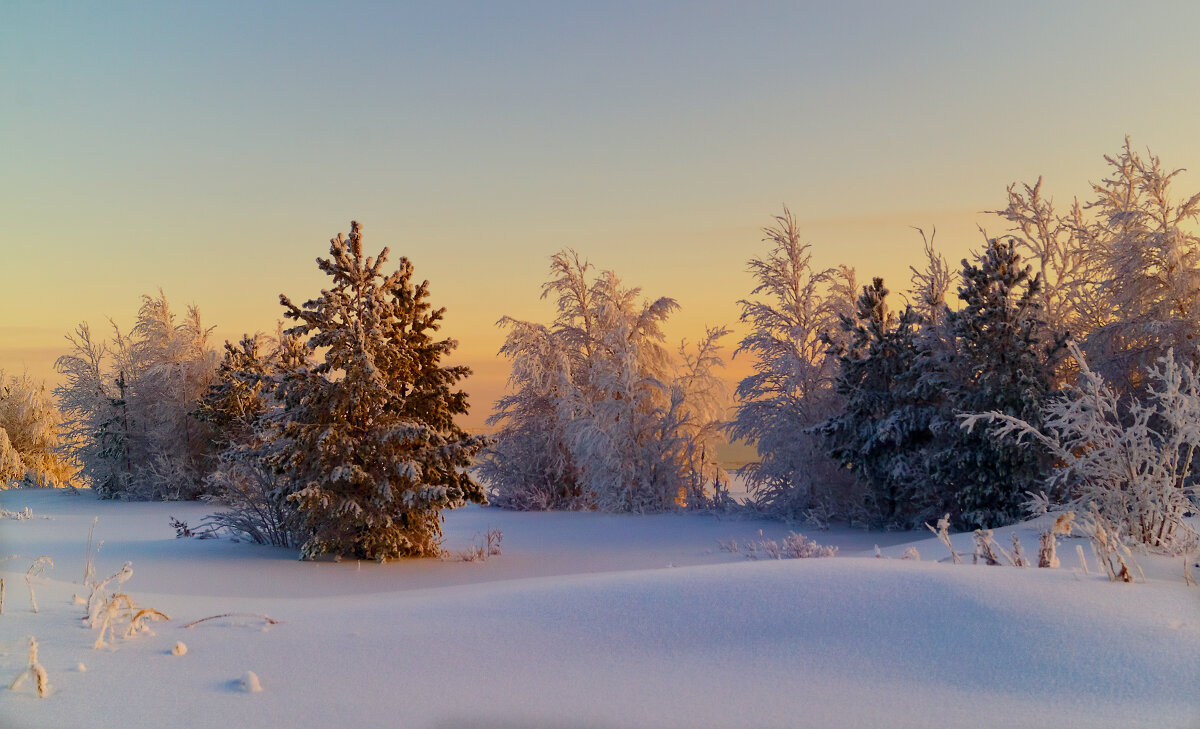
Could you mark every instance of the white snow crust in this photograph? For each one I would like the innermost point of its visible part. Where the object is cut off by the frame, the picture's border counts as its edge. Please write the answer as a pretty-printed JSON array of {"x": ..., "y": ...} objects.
[{"x": 591, "y": 621}]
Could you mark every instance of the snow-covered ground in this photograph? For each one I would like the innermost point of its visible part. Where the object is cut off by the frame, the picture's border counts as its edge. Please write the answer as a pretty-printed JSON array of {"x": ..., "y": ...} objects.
[{"x": 589, "y": 620}]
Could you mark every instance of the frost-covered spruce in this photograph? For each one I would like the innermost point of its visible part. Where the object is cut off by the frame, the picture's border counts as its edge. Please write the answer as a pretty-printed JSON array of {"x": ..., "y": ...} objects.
[
  {"x": 1003, "y": 359},
  {"x": 791, "y": 389},
  {"x": 881, "y": 430},
  {"x": 366, "y": 438},
  {"x": 240, "y": 406}
]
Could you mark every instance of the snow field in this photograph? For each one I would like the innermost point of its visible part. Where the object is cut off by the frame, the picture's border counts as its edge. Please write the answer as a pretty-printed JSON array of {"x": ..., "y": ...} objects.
[{"x": 581, "y": 622}]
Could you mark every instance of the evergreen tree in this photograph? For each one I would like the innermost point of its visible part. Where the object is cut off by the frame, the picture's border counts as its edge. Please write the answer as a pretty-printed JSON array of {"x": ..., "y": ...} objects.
[
  {"x": 239, "y": 406},
  {"x": 1001, "y": 362},
  {"x": 881, "y": 431},
  {"x": 236, "y": 400},
  {"x": 365, "y": 440}
]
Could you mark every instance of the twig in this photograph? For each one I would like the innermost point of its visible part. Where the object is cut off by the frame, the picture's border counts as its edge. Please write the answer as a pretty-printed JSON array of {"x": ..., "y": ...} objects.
[
  {"x": 35, "y": 569},
  {"x": 269, "y": 620}
]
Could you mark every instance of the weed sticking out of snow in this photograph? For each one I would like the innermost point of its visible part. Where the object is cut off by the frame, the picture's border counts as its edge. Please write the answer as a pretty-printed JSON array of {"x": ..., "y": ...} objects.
[
  {"x": 96, "y": 600},
  {"x": 943, "y": 533},
  {"x": 180, "y": 649},
  {"x": 484, "y": 547},
  {"x": 1048, "y": 546},
  {"x": 89, "y": 557},
  {"x": 34, "y": 669},
  {"x": 35, "y": 569},
  {"x": 989, "y": 551},
  {"x": 1018, "y": 556},
  {"x": 1109, "y": 549},
  {"x": 23, "y": 515},
  {"x": 250, "y": 683},
  {"x": 267, "y": 619},
  {"x": 120, "y": 607},
  {"x": 793, "y": 546},
  {"x": 80, "y": 668}
]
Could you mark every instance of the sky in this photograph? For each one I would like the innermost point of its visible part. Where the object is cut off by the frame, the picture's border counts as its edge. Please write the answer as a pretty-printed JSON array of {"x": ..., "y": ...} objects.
[{"x": 211, "y": 149}]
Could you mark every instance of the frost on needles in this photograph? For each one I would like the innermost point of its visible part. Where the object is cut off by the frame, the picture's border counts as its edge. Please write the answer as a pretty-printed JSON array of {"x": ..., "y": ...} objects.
[{"x": 365, "y": 440}]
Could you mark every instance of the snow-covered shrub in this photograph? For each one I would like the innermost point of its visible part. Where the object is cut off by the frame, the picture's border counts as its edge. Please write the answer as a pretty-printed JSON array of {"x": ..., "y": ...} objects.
[
  {"x": 791, "y": 388},
  {"x": 239, "y": 406},
  {"x": 531, "y": 466},
  {"x": 364, "y": 442},
  {"x": 129, "y": 405},
  {"x": 1129, "y": 458},
  {"x": 252, "y": 505},
  {"x": 598, "y": 414},
  {"x": 1053, "y": 244},
  {"x": 31, "y": 435},
  {"x": 793, "y": 546},
  {"x": 1143, "y": 251}
]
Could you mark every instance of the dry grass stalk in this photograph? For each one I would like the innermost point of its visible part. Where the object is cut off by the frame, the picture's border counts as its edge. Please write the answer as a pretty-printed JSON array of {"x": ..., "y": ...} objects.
[
  {"x": 1047, "y": 550},
  {"x": 1018, "y": 557},
  {"x": 1110, "y": 551},
  {"x": 89, "y": 557},
  {"x": 2, "y": 591},
  {"x": 912, "y": 553},
  {"x": 987, "y": 549},
  {"x": 943, "y": 533},
  {"x": 35, "y": 569},
  {"x": 488, "y": 546},
  {"x": 269, "y": 620},
  {"x": 34, "y": 669},
  {"x": 1188, "y": 579},
  {"x": 1082, "y": 559},
  {"x": 121, "y": 606},
  {"x": 96, "y": 598}
]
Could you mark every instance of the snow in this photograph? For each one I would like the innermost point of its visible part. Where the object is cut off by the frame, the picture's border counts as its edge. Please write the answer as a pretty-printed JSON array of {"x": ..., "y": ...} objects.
[{"x": 589, "y": 620}]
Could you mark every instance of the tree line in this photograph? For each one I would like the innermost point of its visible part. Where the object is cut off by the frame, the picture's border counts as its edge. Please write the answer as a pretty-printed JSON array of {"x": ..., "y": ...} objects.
[{"x": 337, "y": 434}]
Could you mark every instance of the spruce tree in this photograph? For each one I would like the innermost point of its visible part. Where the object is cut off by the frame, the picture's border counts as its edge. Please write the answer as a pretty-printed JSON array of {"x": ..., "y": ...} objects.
[
  {"x": 1003, "y": 360},
  {"x": 365, "y": 440},
  {"x": 880, "y": 432}
]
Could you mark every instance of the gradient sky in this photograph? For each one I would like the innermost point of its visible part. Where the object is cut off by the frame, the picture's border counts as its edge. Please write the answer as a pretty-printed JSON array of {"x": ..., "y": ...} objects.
[{"x": 212, "y": 148}]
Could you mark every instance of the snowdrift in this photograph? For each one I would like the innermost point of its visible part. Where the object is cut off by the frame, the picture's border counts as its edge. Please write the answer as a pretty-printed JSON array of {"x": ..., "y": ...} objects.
[{"x": 588, "y": 620}]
